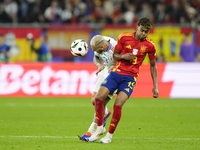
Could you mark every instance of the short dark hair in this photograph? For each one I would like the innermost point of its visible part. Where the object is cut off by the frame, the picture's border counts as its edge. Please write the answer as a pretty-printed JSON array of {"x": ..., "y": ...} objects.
[{"x": 147, "y": 23}]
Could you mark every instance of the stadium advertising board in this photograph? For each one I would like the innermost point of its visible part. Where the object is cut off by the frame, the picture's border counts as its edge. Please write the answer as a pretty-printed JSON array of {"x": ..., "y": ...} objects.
[{"x": 175, "y": 80}]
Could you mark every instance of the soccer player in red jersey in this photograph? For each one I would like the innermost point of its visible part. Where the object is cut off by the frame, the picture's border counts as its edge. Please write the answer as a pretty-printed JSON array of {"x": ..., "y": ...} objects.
[{"x": 130, "y": 52}]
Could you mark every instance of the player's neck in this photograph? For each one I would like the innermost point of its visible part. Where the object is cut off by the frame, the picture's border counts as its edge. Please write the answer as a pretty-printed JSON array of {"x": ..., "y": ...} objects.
[
  {"x": 136, "y": 37},
  {"x": 107, "y": 45}
]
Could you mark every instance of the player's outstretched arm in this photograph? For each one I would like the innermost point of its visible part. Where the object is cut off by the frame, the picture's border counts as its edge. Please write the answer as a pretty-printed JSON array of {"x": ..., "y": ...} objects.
[
  {"x": 117, "y": 56},
  {"x": 153, "y": 69}
]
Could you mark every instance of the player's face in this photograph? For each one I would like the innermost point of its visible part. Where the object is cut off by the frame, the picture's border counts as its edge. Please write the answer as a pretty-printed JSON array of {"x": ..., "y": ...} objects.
[
  {"x": 99, "y": 49},
  {"x": 142, "y": 32}
]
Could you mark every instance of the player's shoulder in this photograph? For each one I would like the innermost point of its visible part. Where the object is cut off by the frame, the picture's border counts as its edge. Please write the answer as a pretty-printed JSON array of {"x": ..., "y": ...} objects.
[
  {"x": 150, "y": 41},
  {"x": 108, "y": 38},
  {"x": 125, "y": 34}
]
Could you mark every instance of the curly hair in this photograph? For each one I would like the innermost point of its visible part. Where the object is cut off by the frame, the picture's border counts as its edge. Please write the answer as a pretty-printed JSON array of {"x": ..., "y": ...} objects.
[{"x": 147, "y": 23}]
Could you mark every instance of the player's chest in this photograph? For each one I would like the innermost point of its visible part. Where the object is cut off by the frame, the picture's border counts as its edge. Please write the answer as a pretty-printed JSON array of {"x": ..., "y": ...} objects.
[
  {"x": 106, "y": 56},
  {"x": 137, "y": 48}
]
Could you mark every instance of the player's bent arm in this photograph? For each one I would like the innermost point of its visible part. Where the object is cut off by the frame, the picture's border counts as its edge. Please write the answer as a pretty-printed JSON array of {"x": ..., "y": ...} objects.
[
  {"x": 97, "y": 62},
  {"x": 117, "y": 56},
  {"x": 153, "y": 69}
]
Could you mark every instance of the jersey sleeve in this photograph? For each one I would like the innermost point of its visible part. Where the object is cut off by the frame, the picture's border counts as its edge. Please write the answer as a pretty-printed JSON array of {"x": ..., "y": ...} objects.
[
  {"x": 152, "y": 53},
  {"x": 96, "y": 54},
  {"x": 119, "y": 45}
]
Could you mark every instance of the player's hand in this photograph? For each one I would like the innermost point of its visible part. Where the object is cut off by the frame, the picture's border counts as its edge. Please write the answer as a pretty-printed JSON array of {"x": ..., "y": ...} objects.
[
  {"x": 111, "y": 68},
  {"x": 128, "y": 56},
  {"x": 155, "y": 92},
  {"x": 99, "y": 69}
]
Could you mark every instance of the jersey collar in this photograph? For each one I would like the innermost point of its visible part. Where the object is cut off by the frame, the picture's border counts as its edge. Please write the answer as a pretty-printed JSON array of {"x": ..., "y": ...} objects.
[
  {"x": 109, "y": 47},
  {"x": 134, "y": 34}
]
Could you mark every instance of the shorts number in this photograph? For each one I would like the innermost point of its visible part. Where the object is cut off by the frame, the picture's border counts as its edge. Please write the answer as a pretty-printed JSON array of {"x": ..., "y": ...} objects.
[{"x": 131, "y": 85}]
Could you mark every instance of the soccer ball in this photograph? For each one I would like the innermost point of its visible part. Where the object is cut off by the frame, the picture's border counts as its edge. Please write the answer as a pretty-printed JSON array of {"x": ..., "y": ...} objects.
[{"x": 79, "y": 48}]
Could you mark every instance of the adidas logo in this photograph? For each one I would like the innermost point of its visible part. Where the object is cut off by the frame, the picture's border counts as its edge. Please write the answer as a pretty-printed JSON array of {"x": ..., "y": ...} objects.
[
  {"x": 127, "y": 89},
  {"x": 129, "y": 46}
]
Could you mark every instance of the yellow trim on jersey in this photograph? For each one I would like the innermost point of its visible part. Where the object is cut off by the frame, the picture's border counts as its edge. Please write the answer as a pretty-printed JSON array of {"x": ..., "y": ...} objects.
[
  {"x": 117, "y": 66},
  {"x": 139, "y": 70},
  {"x": 125, "y": 34},
  {"x": 149, "y": 40},
  {"x": 135, "y": 80}
]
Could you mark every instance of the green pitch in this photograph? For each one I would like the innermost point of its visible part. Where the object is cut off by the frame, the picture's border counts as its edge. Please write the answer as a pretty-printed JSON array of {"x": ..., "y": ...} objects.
[{"x": 54, "y": 123}]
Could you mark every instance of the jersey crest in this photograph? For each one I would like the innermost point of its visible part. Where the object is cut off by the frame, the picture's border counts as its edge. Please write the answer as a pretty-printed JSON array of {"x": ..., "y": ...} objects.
[
  {"x": 142, "y": 49},
  {"x": 135, "y": 51}
]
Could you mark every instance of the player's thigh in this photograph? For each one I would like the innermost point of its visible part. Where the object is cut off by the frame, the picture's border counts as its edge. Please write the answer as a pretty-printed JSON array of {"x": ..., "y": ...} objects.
[
  {"x": 98, "y": 84},
  {"x": 121, "y": 98},
  {"x": 127, "y": 85},
  {"x": 102, "y": 75},
  {"x": 102, "y": 93},
  {"x": 111, "y": 82}
]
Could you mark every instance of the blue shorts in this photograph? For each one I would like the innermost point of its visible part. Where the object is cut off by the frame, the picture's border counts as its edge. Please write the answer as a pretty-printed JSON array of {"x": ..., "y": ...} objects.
[{"x": 121, "y": 82}]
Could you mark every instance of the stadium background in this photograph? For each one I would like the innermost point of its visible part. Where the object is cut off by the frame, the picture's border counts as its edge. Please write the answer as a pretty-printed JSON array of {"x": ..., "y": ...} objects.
[
  {"x": 45, "y": 105},
  {"x": 23, "y": 76}
]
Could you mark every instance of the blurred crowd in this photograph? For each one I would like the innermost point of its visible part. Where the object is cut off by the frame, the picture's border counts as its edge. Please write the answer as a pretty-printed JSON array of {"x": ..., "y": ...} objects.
[
  {"x": 182, "y": 12},
  {"x": 9, "y": 47},
  {"x": 100, "y": 11}
]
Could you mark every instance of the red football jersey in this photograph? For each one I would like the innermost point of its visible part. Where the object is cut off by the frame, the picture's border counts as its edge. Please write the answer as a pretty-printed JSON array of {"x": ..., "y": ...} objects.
[{"x": 128, "y": 44}]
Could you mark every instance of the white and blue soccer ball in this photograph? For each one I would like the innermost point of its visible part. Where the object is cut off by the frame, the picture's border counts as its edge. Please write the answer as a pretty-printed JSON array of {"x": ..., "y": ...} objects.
[{"x": 79, "y": 48}]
